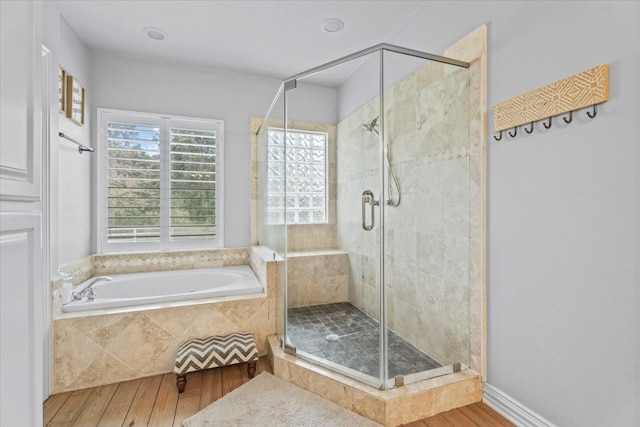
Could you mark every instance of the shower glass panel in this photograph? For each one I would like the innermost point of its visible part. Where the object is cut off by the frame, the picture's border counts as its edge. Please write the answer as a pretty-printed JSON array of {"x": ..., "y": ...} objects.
[
  {"x": 330, "y": 320},
  {"x": 369, "y": 209},
  {"x": 268, "y": 198},
  {"x": 426, "y": 216}
]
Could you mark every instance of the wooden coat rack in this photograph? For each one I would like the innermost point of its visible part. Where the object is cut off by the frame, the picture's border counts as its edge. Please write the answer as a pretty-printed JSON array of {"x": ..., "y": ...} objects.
[{"x": 586, "y": 89}]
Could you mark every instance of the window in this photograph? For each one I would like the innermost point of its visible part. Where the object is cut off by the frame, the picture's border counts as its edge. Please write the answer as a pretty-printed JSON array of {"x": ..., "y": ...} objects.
[
  {"x": 159, "y": 182},
  {"x": 305, "y": 174}
]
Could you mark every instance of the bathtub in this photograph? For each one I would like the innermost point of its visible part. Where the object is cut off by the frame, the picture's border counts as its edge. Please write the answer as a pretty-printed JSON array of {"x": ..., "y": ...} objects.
[{"x": 169, "y": 286}]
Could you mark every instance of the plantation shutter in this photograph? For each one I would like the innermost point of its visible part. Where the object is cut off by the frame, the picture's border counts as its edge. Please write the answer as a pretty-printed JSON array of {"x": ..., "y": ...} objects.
[
  {"x": 133, "y": 182},
  {"x": 193, "y": 183}
]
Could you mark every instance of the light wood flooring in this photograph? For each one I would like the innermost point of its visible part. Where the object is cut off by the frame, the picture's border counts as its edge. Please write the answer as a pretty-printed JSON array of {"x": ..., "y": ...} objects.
[{"x": 155, "y": 401}]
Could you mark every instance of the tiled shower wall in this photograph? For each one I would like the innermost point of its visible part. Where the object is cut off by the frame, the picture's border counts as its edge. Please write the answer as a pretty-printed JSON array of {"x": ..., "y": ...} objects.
[
  {"x": 427, "y": 235},
  {"x": 358, "y": 165},
  {"x": 318, "y": 277}
]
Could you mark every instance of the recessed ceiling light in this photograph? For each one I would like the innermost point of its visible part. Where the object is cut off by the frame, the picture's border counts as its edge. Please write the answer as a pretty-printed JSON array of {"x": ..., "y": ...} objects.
[
  {"x": 333, "y": 25},
  {"x": 155, "y": 33}
]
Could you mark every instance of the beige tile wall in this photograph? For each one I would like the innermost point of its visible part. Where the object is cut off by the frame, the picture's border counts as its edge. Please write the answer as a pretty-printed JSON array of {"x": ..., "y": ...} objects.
[
  {"x": 164, "y": 261},
  {"x": 434, "y": 121},
  {"x": 426, "y": 239},
  {"x": 319, "y": 277}
]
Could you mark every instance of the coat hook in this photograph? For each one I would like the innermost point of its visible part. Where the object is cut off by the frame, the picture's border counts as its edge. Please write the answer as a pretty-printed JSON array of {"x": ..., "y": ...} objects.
[
  {"x": 567, "y": 121},
  {"x": 595, "y": 111},
  {"x": 496, "y": 138},
  {"x": 547, "y": 126},
  {"x": 530, "y": 128},
  {"x": 515, "y": 132}
]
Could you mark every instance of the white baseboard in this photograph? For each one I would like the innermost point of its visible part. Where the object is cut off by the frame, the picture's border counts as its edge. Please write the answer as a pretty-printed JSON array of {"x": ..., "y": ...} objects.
[{"x": 511, "y": 409}]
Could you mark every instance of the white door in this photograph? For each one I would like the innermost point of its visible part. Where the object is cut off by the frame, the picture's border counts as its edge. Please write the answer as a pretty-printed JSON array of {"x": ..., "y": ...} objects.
[
  {"x": 20, "y": 319},
  {"x": 21, "y": 278}
]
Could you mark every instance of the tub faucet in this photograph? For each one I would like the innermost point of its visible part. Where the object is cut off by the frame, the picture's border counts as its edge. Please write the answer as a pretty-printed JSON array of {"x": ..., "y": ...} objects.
[{"x": 88, "y": 292}]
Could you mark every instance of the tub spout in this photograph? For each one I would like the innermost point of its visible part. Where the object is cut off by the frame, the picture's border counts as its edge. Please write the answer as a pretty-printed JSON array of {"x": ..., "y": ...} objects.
[{"x": 87, "y": 291}]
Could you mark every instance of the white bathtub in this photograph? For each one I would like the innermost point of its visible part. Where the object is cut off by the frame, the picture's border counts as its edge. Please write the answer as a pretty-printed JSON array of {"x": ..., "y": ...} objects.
[{"x": 169, "y": 286}]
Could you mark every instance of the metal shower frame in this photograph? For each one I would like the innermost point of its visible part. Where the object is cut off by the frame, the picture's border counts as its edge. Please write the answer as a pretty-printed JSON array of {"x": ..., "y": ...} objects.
[{"x": 290, "y": 82}]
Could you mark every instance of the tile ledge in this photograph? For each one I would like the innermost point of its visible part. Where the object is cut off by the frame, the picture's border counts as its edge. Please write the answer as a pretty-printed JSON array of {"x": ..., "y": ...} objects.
[
  {"x": 319, "y": 252},
  {"x": 156, "y": 306}
]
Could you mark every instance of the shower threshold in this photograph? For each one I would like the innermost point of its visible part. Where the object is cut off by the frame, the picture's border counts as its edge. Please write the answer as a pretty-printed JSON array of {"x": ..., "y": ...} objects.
[
  {"x": 344, "y": 335},
  {"x": 391, "y": 407}
]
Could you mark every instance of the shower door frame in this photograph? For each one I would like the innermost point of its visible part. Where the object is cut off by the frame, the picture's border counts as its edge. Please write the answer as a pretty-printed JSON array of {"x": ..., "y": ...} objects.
[{"x": 382, "y": 382}]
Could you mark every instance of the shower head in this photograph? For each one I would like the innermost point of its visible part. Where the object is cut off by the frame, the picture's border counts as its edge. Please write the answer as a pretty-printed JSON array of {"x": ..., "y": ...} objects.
[
  {"x": 371, "y": 127},
  {"x": 374, "y": 122}
]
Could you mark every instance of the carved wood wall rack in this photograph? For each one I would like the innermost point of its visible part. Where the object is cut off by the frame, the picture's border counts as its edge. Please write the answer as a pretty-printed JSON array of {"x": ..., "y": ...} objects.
[{"x": 586, "y": 89}]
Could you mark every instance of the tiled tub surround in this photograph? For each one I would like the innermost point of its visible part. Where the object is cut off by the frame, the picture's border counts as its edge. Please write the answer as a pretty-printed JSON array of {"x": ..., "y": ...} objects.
[{"x": 107, "y": 346}]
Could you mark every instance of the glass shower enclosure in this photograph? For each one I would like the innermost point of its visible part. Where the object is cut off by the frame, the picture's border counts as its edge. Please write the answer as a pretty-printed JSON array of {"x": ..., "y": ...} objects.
[{"x": 370, "y": 214}]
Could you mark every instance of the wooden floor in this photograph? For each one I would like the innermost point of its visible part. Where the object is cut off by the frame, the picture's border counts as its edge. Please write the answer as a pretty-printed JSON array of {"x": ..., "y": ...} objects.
[{"x": 155, "y": 401}]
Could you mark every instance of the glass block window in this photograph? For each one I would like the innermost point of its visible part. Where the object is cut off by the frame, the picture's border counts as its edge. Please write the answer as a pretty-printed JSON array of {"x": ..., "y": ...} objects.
[{"x": 298, "y": 165}]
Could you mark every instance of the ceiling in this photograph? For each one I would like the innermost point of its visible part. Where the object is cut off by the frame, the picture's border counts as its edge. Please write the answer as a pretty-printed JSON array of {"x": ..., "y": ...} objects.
[{"x": 273, "y": 39}]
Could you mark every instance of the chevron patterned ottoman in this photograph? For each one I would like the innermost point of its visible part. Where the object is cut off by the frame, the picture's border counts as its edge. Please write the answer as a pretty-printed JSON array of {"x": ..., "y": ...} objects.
[{"x": 219, "y": 350}]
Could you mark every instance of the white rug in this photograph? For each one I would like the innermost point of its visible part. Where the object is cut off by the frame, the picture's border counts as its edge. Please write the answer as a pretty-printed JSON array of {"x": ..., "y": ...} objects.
[{"x": 267, "y": 400}]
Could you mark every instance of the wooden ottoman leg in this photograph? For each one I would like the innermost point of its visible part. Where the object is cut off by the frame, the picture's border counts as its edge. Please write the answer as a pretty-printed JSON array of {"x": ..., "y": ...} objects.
[
  {"x": 181, "y": 382},
  {"x": 251, "y": 368}
]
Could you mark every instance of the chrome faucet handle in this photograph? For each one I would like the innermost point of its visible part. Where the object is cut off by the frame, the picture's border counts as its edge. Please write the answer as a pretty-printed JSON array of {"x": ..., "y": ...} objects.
[
  {"x": 90, "y": 294},
  {"x": 77, "y": 296}
]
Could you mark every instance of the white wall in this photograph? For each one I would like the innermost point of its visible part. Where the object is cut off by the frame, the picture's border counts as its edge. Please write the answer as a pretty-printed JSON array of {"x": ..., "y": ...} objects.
[
  {"x": 131, "y": 84},
  {"x": 364, "y": 85},
  {"x": 563, "y": 208},
  {"x": 73, "y": 191}
]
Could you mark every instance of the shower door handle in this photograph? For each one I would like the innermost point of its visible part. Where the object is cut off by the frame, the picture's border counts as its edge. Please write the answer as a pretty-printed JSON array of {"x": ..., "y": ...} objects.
[{"x": 367, "y": 198}]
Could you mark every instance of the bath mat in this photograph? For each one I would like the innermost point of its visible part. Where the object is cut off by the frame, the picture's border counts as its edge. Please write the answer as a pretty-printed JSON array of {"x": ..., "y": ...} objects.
[{"x": 268, "y": 400}]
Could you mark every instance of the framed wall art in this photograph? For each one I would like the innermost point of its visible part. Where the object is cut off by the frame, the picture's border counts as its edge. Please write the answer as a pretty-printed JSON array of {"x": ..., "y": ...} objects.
[
  {"x": 62, "y": 89},
  {"x": 75, "y": 100}
]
